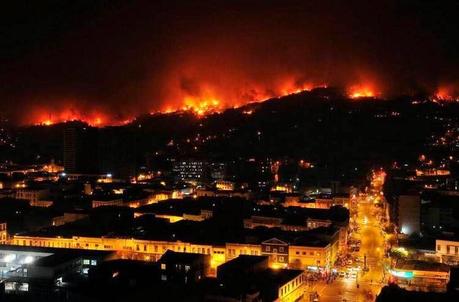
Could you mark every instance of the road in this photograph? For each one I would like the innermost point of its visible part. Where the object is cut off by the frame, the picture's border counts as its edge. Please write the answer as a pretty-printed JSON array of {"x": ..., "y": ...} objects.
[{"x": 372, "y": 246}]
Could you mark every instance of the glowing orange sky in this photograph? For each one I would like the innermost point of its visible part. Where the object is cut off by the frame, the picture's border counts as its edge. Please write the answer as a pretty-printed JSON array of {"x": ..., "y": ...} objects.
[
  {"x": 127, "y": 59},
  {"x": 208, "y": 100}
]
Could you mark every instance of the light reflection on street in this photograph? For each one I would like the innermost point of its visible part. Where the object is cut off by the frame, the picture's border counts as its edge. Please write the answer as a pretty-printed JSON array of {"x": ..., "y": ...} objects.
[{"x": 368, "y": 282}]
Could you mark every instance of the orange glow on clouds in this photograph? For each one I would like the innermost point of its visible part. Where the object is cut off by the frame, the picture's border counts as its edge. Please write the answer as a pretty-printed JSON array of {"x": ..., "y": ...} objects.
[{"x": 206, "y": 100}]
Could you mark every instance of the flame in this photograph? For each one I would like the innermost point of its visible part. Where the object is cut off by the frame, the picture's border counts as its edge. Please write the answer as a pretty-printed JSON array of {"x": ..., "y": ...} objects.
[
  {"x": 49, "y": 117},
  {"x": 362, "y": 91},
  {"x": 202, "y": 107},
  {"x": 206, "y": 100},
  {"x": 444, "y": 93},
  {"x": 47, "y": 122},
  {"x": 210, "y": 101}
]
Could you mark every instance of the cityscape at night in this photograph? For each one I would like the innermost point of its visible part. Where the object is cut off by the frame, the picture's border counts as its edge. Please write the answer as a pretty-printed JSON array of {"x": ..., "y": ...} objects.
[{"x": 229, "y": 151}]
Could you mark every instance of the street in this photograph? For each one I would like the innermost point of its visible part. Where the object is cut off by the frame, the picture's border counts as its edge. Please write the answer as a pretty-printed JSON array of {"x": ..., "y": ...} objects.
[{"x": 368, "y": 283}]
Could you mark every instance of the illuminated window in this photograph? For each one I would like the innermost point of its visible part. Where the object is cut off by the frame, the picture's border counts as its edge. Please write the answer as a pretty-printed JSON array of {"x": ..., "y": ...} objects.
[
  {"x": 93, "y": 262},
  {"x": 163, "y": 266},
  {"x": 86, "y": 262},
  {"x": 163, "y": 277}
]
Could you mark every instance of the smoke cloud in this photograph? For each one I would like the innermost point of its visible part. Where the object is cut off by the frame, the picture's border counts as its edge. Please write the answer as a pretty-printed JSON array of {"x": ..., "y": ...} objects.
[{"x": 107, "y": 61}]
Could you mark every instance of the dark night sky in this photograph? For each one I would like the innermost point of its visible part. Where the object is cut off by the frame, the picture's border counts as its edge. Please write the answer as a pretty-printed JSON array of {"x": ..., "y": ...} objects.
[{"x": 128, "y": 57}]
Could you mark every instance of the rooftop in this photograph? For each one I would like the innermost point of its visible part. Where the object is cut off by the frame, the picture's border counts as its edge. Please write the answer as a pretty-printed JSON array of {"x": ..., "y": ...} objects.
[
  {"x": 244, "y": 261},
  {"x": 171, "y": 256},
  {"x": 417, "y": 265}
]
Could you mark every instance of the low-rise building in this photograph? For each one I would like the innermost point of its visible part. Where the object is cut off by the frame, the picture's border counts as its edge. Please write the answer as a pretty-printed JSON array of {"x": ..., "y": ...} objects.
[
  {"x": 447, "y": 251},
  {"x": 41, "y": 203},
  {"x": 3, "y": 233},
  {"x": 224, "y": 185},
  {"x": 32, "y": 194},
  {"x": 183, "y": 267},
  {"x": 32, "y": 270},
  {"x": 67, "y": 218},
  {"x": 250, "y": 277},
  {"x": 421, "y": 276},
  {"x": 113, "y": 202}
]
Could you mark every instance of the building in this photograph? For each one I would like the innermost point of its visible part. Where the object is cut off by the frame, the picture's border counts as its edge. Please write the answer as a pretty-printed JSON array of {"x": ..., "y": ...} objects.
[
  {"x": 183, "y": 267},
  {"x": 314, "y": 255},
  {"x": 3, "y": 233},
  {"x": 33, "y": 270},
  {"x": 224, "y": 185},
  {"x": 108, "y": 202},
  {"x": 282, "y": 187},
  {"x": 243, "y": 264},
  {"x": 67, "y": 218},
  {"x": 80, "y": 149},
  {"x": 31, "y": 194},
  {"x": 251, "y": 278},
  {"x": 438, "y": 212},
  {"x": 421, "y": 276},
  {"x": 409, "y": 214},
  {"x": 277, "y": 250},
  {"x": 217, "y": 171},
  {"x": 190, "y": 170},
  {"x": 310, "y": 251},
  {"x": 447, "y": 251},
  {"x": 41, "y": 203}
]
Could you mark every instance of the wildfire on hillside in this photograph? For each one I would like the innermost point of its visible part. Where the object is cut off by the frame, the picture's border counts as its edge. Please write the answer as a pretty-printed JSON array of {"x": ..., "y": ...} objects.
[{"x": 210, "y": 101}]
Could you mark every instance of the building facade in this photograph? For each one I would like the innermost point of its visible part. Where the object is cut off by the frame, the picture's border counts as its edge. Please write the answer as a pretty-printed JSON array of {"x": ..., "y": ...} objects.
[{"x": 447, "y": 251}]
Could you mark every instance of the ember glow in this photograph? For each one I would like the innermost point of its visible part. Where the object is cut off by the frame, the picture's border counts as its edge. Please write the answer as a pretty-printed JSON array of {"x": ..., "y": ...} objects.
[
  {"x": 362, "y": 91},
  {"x": 208, "y": 101},
  {"x": 292, "y": 87},
  {"x": 213, "y": 100},
  {"x": 445, "y": 93},
  {"x": 202, "y": 106},
  {"x": 176, "y": 60},
  {"x": 47, "y": 117}
]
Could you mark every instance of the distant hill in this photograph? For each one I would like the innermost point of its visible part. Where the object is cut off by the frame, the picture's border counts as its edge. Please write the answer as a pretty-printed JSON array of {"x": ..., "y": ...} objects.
[{"x": 321, "y": 126}]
